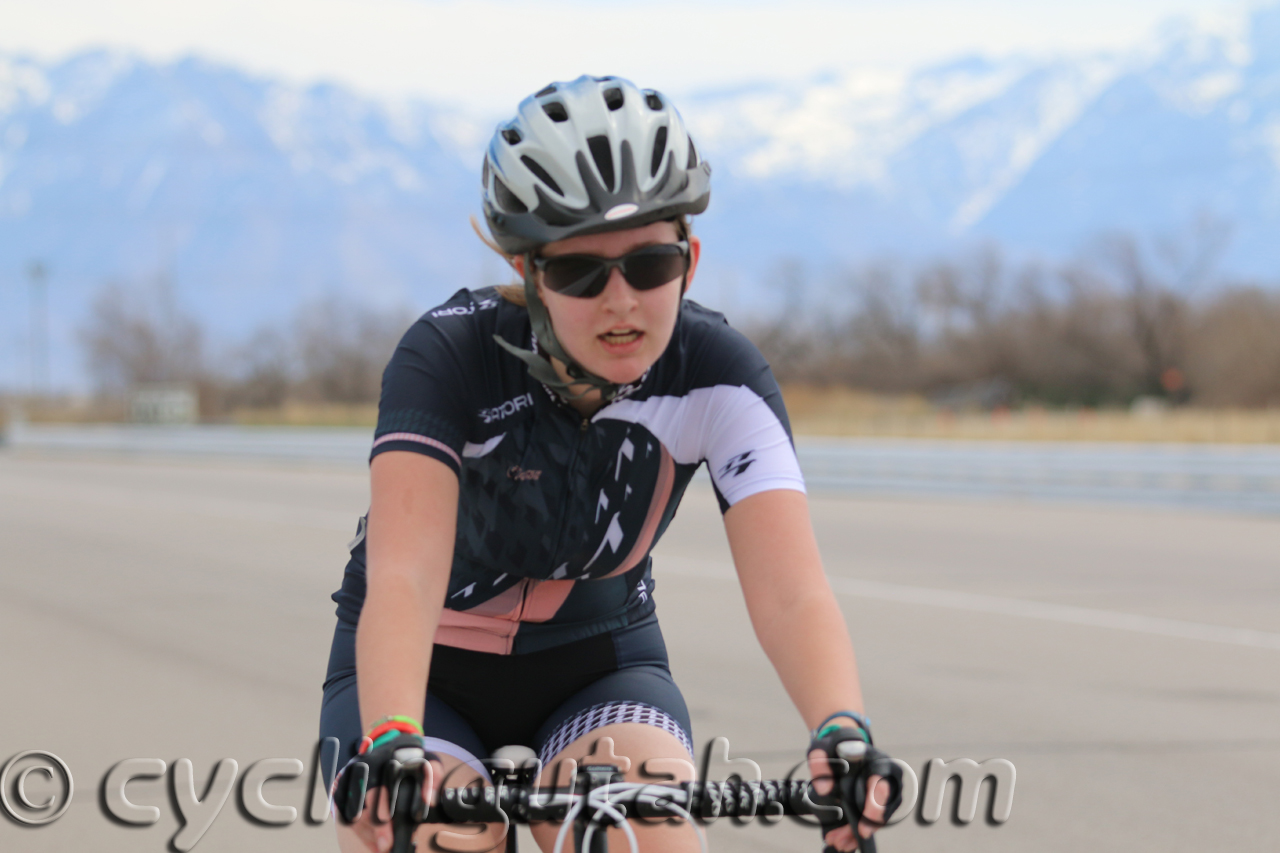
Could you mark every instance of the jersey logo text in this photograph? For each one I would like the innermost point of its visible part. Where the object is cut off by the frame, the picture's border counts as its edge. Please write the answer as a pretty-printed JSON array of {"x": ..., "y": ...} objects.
[
  {"x": 462, "y": 310},
  {"x": 510, "y": 407}
]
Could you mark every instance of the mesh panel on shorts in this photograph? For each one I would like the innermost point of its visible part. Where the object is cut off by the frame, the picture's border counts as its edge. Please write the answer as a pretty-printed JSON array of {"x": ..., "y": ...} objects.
[{"x": 607, "y": 714}]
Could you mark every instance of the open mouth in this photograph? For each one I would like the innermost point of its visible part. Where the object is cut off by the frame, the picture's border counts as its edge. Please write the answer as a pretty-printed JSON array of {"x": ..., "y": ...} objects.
[{"x": 621, "y": 338}]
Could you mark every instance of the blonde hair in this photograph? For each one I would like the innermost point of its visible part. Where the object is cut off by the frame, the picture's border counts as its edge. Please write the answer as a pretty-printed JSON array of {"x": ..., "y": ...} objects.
[{"x": 514, "y": 292}]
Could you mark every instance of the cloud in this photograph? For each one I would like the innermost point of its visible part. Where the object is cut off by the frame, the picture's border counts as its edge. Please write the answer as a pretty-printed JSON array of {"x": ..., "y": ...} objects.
[{"x": 489, "y": 53}]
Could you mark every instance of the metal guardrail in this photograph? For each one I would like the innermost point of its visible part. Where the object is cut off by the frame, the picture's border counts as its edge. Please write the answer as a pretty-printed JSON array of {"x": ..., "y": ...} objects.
[
  {"x": 301, "y": 444},
  {"x": 1233, "y": 478},
  {"x": 1236, "y": 478}
]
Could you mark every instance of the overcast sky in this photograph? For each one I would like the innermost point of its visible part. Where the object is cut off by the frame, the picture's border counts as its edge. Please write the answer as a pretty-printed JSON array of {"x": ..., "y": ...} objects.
[{"x": 493, "y": 52}]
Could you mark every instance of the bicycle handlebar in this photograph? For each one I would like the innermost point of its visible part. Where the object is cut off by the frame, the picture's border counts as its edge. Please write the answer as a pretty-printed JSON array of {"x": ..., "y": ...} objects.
[{"x": 599, "y": 798}]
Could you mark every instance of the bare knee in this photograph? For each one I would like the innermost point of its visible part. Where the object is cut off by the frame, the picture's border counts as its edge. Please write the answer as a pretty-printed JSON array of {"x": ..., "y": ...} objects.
[{"x": 642, "y": 753}]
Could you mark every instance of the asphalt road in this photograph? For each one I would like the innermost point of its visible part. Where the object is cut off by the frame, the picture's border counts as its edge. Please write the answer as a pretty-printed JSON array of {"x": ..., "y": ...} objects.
[{"x": 1126, "y": 660}]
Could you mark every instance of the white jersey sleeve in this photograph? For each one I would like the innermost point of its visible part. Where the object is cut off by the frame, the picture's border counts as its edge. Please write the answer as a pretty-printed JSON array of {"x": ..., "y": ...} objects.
[
  {"x": 730, "y": 427},
  {"x": 726, "y": 412}
]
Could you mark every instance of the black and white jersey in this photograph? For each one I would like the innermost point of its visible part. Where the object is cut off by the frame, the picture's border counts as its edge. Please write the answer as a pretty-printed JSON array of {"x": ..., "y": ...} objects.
[{"x": 557, "y": 513}]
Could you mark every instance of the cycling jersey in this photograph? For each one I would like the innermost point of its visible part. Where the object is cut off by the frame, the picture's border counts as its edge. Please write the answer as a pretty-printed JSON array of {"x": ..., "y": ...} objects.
[{"x": 557, "y": 513}]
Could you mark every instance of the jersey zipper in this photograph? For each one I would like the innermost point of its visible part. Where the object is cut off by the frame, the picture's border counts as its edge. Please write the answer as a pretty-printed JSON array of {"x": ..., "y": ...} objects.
[{"x": 525, "y": 583}]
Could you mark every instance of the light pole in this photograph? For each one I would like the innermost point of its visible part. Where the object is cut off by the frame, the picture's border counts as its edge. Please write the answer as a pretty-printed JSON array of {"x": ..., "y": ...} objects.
[{"x": 39, "y": 276}]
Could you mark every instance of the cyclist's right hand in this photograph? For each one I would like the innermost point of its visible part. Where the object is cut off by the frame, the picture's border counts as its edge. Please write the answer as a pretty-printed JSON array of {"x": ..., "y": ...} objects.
[{"x": 364, "y": 790}]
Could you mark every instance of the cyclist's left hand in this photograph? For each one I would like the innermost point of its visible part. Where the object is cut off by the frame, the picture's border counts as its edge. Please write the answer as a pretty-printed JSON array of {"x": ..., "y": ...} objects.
[
  {"x": 842, "y": 838},
  {"x": 874, "y": 781}
]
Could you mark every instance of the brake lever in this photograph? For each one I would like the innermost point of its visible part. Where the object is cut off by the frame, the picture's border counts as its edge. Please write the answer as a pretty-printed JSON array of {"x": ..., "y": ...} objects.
[
  {"x": 854, "y": 751},
  {"x": 406, "y": 800}
]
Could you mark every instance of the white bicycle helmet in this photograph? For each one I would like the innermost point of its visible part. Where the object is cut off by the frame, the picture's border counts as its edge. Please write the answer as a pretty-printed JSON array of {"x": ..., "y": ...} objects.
[{"x": 597, "y": 154}]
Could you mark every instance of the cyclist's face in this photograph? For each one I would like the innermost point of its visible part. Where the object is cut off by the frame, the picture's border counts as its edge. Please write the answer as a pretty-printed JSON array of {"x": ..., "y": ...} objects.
[{"x": 620, "y": 333}]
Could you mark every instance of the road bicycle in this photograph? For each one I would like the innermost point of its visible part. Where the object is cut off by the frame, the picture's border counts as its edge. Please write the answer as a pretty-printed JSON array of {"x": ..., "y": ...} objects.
[{"x": 598, "y": 798}]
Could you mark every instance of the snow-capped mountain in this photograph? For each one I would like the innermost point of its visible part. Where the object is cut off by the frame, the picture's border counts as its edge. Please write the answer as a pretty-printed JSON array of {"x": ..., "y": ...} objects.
[
  {"x": 253, "y": 195},
  {"x": 1040, "y": 157},
  {"x": 250, "y": 195},
  {"x": 238, "y": 188}
]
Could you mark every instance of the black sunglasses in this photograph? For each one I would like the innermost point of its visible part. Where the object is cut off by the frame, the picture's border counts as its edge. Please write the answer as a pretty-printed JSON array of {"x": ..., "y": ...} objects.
[{"x": 585, "y": 276}]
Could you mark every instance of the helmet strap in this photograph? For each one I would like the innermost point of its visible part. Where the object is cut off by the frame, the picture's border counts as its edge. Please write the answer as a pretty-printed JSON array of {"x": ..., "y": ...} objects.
[{"x": 541, "y": 368}]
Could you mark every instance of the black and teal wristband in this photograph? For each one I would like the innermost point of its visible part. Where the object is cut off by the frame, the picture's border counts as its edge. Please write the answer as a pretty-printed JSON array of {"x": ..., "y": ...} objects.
[{"x": 825, "y": 729}]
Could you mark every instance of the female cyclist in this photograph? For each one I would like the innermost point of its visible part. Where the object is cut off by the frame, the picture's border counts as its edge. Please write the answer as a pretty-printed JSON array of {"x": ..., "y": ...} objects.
[{"x": 532, "y": 445}]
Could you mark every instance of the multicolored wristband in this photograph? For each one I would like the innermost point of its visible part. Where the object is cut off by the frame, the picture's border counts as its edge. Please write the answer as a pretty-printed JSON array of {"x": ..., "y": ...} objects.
[
  {"x": 390, "y": 727},
  {"x": 415, "y": 726},
  {"x": 826, "y": 727}
]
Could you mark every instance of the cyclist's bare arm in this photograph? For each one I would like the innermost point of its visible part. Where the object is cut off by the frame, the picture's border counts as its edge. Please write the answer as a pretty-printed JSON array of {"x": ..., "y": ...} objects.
[
  {"x": 795, "y": 615},
  {"x": 412, "y": 517},
  {"x": 792, "y": 609}
]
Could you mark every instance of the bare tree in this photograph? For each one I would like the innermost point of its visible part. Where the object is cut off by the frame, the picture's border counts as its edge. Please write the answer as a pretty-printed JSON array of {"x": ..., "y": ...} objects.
[
  {"x": 137, "y": 333},
  {"x": 1157, "y": 279},
  {"x": 342, "y": 348},
  {"x": 264, "y": 371},
  {"x": 1234, "y": 357},
  {"x": 1107, "y": 327},
  {"x": 968, "y": 326},
  {"x": 787, "y": 339},
  {"x": 881, "y": 342}
]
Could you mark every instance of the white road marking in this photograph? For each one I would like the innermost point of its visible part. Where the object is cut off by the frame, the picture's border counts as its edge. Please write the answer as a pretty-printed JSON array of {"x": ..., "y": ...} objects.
[{"x": 978, "y": 603}]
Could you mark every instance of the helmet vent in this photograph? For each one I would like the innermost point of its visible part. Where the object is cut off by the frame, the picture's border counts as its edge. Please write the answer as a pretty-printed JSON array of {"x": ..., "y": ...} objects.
[
  {"x": 653, "y": 100},
  {"x": 484, "y": 174},
  {"x": 510, "y": 202},
  {"x": 693, "y": 154},
  {"x": 512, "y": 136},
  {"x": 546, "y": 90},
  {"x": 659, "y": 149},
  {"x": 542, "y": 174},
  {"x": 603, "y": 155},
  {"x": 555, "y": 111},
  {"x": 613, "y": 99}
]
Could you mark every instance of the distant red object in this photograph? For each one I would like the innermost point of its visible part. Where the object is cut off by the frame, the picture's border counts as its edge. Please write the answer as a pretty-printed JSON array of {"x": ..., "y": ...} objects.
[{"x": 1172, "y": 380}]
